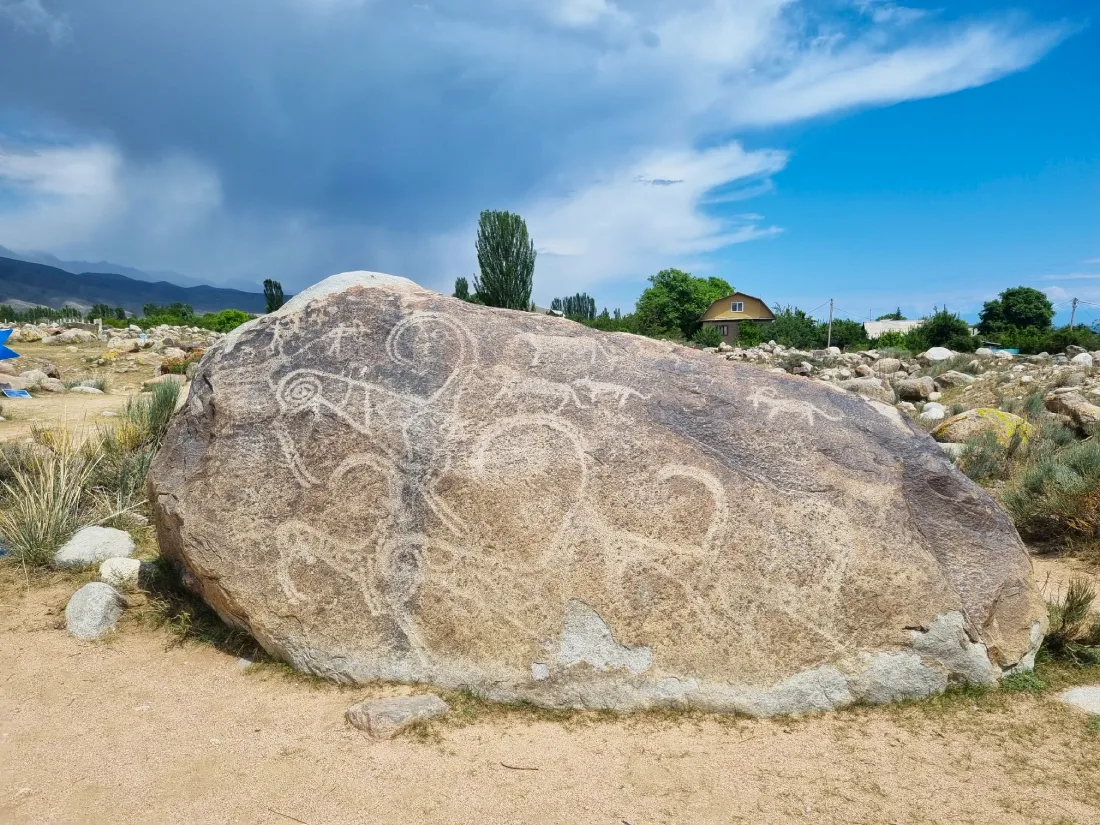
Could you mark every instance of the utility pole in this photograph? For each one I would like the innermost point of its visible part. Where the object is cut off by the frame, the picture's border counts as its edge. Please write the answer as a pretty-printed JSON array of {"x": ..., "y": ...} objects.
[
  {"x": 1073, "y": 313},
  {"x": 830, "y": 341}
]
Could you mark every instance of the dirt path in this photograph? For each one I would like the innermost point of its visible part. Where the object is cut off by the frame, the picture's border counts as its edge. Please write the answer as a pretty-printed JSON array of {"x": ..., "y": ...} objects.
[{"x": 133, "y": 731}]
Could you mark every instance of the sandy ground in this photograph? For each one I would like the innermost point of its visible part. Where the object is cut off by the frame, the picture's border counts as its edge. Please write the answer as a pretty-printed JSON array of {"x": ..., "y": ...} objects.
[
  {"x": 80, "y": 413},
  {"x": 136, "y": 730}
]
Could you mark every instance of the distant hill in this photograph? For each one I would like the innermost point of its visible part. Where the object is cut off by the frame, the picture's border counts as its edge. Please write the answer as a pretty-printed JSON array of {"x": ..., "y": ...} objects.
[
  {"x": 155, "y": 276},
  {"x": 43, "y": 285}
]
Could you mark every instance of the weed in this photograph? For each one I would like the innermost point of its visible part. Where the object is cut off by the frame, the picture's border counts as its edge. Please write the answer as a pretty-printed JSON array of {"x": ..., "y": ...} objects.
[
  {"x": 95, "y": 382},
  {"x": 1026, "y": 682},
  {"x": 1068, "y": 615},
  {"x": 1034, "y": 405},
  {"x": 43, "y": 505}
]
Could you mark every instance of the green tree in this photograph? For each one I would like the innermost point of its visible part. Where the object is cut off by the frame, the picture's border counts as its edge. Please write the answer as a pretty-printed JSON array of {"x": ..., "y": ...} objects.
[
  {"x": 223, "y": 321},
  {"x": 462, "y": 289},
  {"x": 892, "y": 316},
  {"x": 273, "y": 295},
  {"x": 580, "y": 306},
  {"x": 675, "y": 300},
  {"x": 1020, "y": 307},
  {"x": 506, "y": 257},
  {"x": 102, "y": 311},
  {"x": 941, "y": 329},
  {"x": 708, "y": 336},
  {"x": 792, "y": 327},
  {"x": 847, "y": 334},
  {"x": 750, "y": 333}
]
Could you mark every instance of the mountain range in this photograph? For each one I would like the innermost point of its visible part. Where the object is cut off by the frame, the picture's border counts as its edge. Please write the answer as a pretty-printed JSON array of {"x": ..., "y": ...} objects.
[
  {"x": 26, "y": 282},
  {"x": 152, "y": 276}
]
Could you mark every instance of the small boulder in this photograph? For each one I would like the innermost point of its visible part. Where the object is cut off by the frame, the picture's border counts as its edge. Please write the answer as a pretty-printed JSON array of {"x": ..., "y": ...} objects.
[
  {"x": 94, "y": 610},
  {"x": 953, "y": 378},
  {"x": 887, "y": 366},
  {"x": 874, "y": 388},
  {"x": 124, "y": 572},
  {"x": 1073, "y": 350},
  {"x": 1067, "y": 401},
  {"x": 937, "y": 354},
  {"x": 385, "y": 718},
  {"x": 86, "y": 390},
  {"x": 1082, "y": 359},
  {"x": 972, "y": 423},
  {"x": 1085, "y": 697},
  {"x": 915, "y": 389},
  {"x": 933, "y": 411},
  {"x": 33, "y": 377},
  {"x": 93, "y": 545},
  {"x": 51, "y": 371},
  {"x": 983, "y": 352},
  {"x": 52, "y": 385}
]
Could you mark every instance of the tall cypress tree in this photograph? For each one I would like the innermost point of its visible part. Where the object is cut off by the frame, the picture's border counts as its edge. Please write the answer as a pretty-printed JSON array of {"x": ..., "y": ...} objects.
[
  {"x": 506, "y": 256},
  {"x": 273, "y": 295}
]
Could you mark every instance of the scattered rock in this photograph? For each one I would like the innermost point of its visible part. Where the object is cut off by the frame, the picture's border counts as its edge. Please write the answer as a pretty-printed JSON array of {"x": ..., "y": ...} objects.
[
  {"x": 543, "y": 512},
  {"x": 937, "y": 354},
  {"x": 953, "y": 378},
  {"x": 1073, "y": 350},
  {"x": 1085, "y": 697},
  {"x": 52, "y": 385},
  {"x": 86, "y": 390},
  {"x": 33, "y": 377},
  {"x": 933, "y": 411},
  {"x": 124, "y": 572},
  {"x": 972, "y": 423},
  {"x": 385, "y": 718},
  {"x": 914, "y": 389},
  {"x": 1082, "y": 359},
  {"x": 91, "y": 545},
  {"x": 1067, "y": 401},
  {"x": 94, "y": 610}
]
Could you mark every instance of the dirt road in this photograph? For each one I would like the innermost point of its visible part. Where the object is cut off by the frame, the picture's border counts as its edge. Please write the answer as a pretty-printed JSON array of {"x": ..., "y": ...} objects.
[{"x": 132, "y": 731}]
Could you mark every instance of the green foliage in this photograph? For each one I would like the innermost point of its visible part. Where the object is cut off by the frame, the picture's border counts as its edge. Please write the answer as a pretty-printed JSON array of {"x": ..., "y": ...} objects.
[
  {"x": 672, "y": 304},
  {"x": 1025, "y": 682},
  {"x": 847, "y": 334},
  {"x": 892, "y": 316},
  {"x": 224, "y": 321},
  {"x": 273, "y": 295},
  {"x": 890, "y": 340},
  {"x": 793, "y": 328},
  {"x": 462, "y": 289},
  {"x": 106, "y": 313},
  {"x": 36, "y": 314},
  {"x": 751, "y": 334},
  {"x": 1018, "y": 308},
  {"x": 941, "y": 329},
  {"x": 43, "y": 503},
  {"x": 506, "y": 257},
  {"x": 580, "y": 306},
  {"x": 1057, "y": 495},
  {"x": 1069, "y": 617},
  {"x": 708, "y": 336}
]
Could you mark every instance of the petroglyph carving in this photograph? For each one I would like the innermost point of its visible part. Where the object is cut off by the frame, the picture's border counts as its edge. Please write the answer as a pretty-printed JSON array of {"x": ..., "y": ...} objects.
[
  {"x": 599, "y": 389},
  {"x": 769, "y": 397}
]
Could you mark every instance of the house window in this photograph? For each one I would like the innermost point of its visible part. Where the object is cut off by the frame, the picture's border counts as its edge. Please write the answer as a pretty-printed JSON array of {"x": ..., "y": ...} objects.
[
  {"x": 737, "y": 306},
  {"x": 725, "y": 330}
]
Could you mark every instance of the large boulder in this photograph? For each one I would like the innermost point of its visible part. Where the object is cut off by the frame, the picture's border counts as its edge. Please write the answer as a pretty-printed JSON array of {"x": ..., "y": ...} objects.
[
  {"x": 873, "y": 388},
  {"x": 379, "y": 482},
  {"x": 953, "y": 378},
  {"x": 973, "y": 423},
  {"x": 937, "y": 354},
  {"x": 1069, "y": 402}
]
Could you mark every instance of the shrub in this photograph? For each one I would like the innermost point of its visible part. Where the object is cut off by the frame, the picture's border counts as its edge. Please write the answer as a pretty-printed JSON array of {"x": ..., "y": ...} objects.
[
  {"x": 1057, "y": 496},
  {"x": 708, "y": 336},
  {"x": 43, "y": 505},
  {"x": 1069, "y": 617},
  {"x": 891, "y": 339},
  {"x": 751, "y": 334}
]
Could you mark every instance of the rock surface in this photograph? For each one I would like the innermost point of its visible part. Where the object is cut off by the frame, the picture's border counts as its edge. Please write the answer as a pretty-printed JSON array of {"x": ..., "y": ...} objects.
[
  {"x": 385, "y": 718},
  {"x": 973, "y": 423},
  {"x": 122, "y": 572},
  {"x": 91, "y": 545},
  {"x": 1086, "y": 698},
  {"x": 94, "y": 610},
  {"x": 381, "y": 482}
]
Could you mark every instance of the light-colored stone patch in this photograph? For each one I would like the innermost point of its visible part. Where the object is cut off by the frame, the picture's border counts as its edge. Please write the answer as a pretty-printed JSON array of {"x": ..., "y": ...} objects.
[
  {"x": 1086, "y": 698},
  {"x": 385, "y": 718},
  {"x": 585, "y": 637}
]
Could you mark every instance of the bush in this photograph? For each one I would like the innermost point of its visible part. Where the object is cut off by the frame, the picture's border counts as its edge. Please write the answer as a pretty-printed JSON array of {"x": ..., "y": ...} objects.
[
  {"x": 43, "y": 505},
  {"x": 708, "y": 336},
  {"x": 942, "y": 329},
  {"x": 1070, "y": 617},
  {"x": 751, "y": 334},
  {"x": 1057, "y": 496},
  {"x": 890, "y": 340}
]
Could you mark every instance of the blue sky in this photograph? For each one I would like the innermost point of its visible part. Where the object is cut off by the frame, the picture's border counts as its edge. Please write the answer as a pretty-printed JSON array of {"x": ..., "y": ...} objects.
[{"x": 878, "y": 153}]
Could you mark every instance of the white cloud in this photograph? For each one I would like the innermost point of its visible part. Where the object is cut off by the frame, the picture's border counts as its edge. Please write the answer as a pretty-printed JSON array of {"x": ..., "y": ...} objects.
[
  {"x": 65, "y": 197},
  {"x": 636, "y": 88},
  {"x": 30, "y": 16}
]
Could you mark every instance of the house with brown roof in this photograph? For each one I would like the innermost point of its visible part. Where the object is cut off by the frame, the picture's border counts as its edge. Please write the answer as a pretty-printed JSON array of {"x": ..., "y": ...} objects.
[{"x": 729, "y": 313}]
